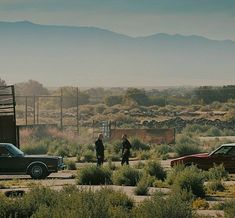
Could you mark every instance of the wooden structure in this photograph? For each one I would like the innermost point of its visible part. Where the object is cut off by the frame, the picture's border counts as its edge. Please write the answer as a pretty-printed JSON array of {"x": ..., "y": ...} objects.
[
  {"x": 8, "y": 130},
  {"x": 154, "y": 136}
]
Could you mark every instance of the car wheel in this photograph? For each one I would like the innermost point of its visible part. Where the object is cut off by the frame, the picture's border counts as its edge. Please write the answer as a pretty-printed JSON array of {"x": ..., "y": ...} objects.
[{"x": 38, "y": 171}]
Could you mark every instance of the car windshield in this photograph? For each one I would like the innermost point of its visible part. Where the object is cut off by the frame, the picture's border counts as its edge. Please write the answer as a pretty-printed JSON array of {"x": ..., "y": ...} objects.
[
  {"x": 222, "y": 150},
  {"x": 15, "y": 150}
]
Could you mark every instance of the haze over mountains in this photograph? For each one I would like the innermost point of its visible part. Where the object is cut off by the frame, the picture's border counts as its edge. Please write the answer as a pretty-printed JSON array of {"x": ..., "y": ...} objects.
[{"x": 89, "y": 56}]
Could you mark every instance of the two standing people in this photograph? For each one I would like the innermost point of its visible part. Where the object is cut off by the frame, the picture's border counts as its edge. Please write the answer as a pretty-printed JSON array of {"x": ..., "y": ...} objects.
[{"x": 99, "y": 146}]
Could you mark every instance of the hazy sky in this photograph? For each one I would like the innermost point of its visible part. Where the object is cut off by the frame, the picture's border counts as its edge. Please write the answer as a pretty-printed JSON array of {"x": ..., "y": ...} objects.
[{"x": 211, "y": 18}]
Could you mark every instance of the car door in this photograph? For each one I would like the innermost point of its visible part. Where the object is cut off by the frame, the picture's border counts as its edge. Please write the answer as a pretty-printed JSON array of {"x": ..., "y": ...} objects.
[
  {"x": 8, "y": 162},
  {"x": 5, "y": 160},
  {"x": 207, "y": 162},
  {"x": 223, "y": 156},
  {"x": 230, "y": 160}
]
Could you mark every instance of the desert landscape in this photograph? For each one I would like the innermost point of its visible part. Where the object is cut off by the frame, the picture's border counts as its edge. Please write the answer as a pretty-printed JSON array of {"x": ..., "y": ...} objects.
[{"x": 117, "y": 109}]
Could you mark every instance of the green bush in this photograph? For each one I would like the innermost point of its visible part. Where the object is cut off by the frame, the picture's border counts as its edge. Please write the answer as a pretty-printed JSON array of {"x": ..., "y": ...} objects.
[
  {"x": 142, "y": 155},
  {"x": 229, "y": 209},
  {"x": 63, "y": 151},
  {"x": 186, "y": 149},
  {"x": 139, "y": 165},
  {"x": 71, "y": 165},
  {"x": 138, "y": 145},
  {"x": 126, "y": 176},
  {"x": 70, "y": 202},
  {"x": 214, "y": 186},
  {"x": 113, "y": 157},
  {"x": 160, "y": 184},
  {"x": 214, "y": 131},
  {"x": 142, "y": 188},
  {"x": 155, "y": 169},
  {"x": 195, "y": 129},
  {"x": 117, "y": 198},
  {"x": 165, "y": 156},
  {"x": 111, "y": 165},
  {"x": 186, "y": 145},
  {"x": 35, "y": 148},
  {"x": 164, "y": 149},
  {"x": 31, "y": 202},
  {"x": 89, "y": 156},
  {"x": 5, "y": 206},
  {"x": 161, "y": 207},
  {"x": 200, "y": 204},
  {"x": 190, "y": 179},
  {"x": 176, "y": 170},
  {"x": 217, "y": 172},
  {"x": 93, "y": 175}
]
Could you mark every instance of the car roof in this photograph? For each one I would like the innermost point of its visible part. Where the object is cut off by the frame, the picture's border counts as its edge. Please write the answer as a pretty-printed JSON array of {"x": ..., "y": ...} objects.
[
  {"x": 5, "y": 144},
  {"x": 229, "y": 144}
]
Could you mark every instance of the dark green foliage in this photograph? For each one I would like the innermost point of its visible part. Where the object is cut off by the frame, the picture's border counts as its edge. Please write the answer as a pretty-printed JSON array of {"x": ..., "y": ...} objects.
[
  {"x": 31, "y": 88},
  {"x": 71, "y": 165},
  {"x": 186, "y": 146},
  {"x": 138, "y": 145},
  {"x": 215, "y": 186},
  {"x": 113, "y": 100},
  {"x": 214, "y": 131},
  {"x": 126, "y": 175},
  {"x": 209, "y": 94},
  {"x": 137, "y": 95},
  {"x": 89, "y": 156},
  {"x": 195, "y": 129},
  {"x": 176, "y": 170},
  {"x": 229, "y": 209},
  {"x": 117, "y": 198},
  {"x": 186, "y": 149},
  {"x": 93, "y": 175},
  {"x": 160, "y": 207},
  {"x": 190, "y": 179},
  {"x": 216, "y": 173},
  {"x": 69, "y": 202},
  {"x": 160, "y": 101},
  {"x": 164, "y": 149},
  {"x": 36, "y": 148},
  {"x": 142, "y": 187},
  {"x": 155, "y": 169}
]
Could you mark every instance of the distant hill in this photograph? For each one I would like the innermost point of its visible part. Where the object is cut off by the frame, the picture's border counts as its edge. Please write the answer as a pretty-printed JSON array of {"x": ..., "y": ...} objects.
[{"x": 89, "y": 56}]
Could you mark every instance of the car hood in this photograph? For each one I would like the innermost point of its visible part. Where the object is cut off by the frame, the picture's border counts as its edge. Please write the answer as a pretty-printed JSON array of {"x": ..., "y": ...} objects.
[
  {"x": 193, "y": 155},
  {"x": 199, "y": 155}
]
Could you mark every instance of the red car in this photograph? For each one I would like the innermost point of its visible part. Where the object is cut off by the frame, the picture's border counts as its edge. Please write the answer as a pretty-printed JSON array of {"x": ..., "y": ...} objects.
[{"x": 225, "y": 155}]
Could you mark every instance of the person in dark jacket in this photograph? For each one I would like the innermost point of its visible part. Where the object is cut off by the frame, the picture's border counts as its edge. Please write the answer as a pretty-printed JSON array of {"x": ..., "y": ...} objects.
[
  {"x": 126, "y": 146},
  {"x": 99, "y": 147}
]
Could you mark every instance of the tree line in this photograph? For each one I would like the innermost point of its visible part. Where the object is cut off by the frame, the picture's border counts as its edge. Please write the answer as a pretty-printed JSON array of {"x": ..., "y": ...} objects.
[{"x": 118, "y": 95}]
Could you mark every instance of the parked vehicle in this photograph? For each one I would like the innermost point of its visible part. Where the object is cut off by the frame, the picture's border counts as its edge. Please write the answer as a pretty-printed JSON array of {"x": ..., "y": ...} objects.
[
  {"x": 14, "y": 161},
  {"x": 225, "y": 155}
]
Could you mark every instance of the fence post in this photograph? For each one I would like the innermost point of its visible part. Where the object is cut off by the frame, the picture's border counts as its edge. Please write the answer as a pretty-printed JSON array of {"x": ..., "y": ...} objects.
[
  {"x": 77, "y": 114},
  {"x": 61, "y": 108},
  {"x": 34, "y": 112},
  {"x": 93, "y": 129},
  {"x": 26, "y": 110},
  {"x": 37, "y": 110}
]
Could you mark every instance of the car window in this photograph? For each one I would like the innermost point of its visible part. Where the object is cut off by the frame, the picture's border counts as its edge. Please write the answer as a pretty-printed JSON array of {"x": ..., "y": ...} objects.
[
  {"x": 231, "y": 151},
  {"x": 14, "y": 150},
  {"x": 223, "y": 150},
  {"x": 4, "y": 152}
]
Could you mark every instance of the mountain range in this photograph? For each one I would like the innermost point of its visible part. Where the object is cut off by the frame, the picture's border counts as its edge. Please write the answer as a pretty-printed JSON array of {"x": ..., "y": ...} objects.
[{"x": 90, "y": 56}]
